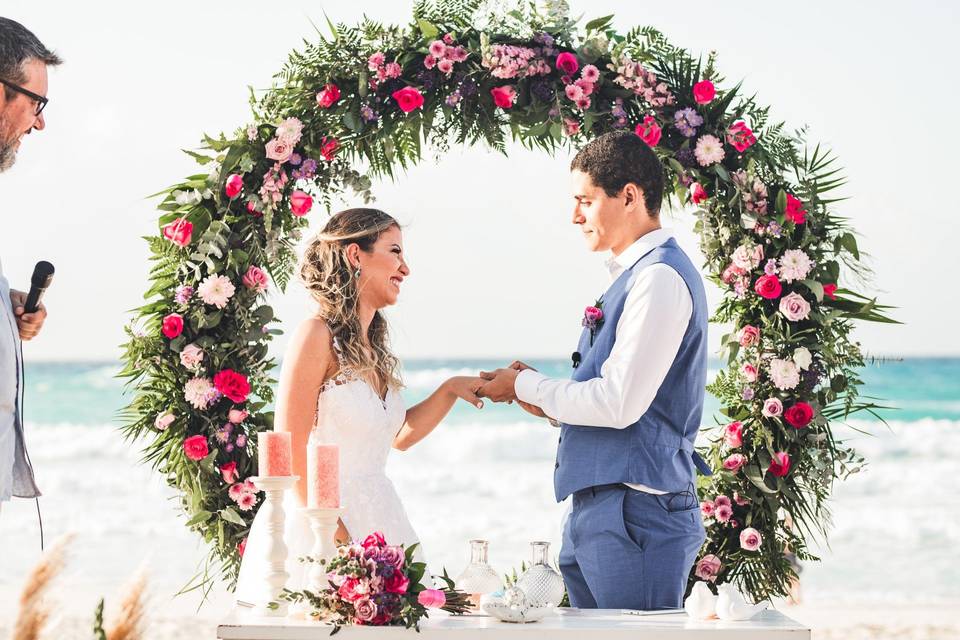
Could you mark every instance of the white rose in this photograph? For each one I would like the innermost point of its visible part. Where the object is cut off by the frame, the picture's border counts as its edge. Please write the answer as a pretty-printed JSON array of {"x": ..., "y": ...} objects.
[{"x": 803, "y": 358}]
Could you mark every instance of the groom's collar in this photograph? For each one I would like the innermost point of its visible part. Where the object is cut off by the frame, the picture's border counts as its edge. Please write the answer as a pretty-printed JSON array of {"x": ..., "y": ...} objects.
[{"x": 617, "y": 264}]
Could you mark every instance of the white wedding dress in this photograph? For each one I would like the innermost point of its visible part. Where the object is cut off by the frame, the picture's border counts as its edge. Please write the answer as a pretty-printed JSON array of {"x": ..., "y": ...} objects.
[{"x": 353, "y": 416}]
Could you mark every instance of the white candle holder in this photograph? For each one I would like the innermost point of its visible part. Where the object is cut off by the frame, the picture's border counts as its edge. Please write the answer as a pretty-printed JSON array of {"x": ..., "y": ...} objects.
[
  {"x": 269, "y": 603},
  {"x": 323, "y": 523}
]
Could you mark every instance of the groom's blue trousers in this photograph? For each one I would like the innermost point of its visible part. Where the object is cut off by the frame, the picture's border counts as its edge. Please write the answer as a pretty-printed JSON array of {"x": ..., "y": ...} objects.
[{"x": 626, "y": 549}]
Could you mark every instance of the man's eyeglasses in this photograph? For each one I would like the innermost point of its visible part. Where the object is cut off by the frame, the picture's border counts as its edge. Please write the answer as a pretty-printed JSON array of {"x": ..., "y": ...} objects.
[{"x": 40, "y": 100}]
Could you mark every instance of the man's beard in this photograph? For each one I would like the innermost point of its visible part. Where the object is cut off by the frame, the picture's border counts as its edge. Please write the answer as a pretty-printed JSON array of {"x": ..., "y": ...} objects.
[{"x": 8, "y": 149}]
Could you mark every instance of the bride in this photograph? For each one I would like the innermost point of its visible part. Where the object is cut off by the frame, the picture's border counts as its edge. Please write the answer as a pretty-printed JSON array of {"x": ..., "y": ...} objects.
[{"x": 340, "y": 385}]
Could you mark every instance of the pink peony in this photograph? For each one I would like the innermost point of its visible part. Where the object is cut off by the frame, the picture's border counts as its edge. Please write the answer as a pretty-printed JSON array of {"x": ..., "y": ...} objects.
[
  {"x": 697, "y": 193},
  {"x": 733, "y": 434},
  {"x": 707, "y": 508},
  {"x": 794, "y": 307},
  {"x": 255, "y": 278},
  {"x": 649, "y": 131},
  {"x": 229, "y": 472},
  {"x": 232, "y": 384},
  {"x": 163, "y": 421},
  {"x": 734, "y": 461},
  {"x": 780, "y": 465},
  {"x": 353, "y": 589},
  {"x": 749, "y": 336},
  {"x": 172, "y": 325},
  {"x": 740, "y": 137},
  {"x": 799, "y": 415},
  {"x": 234, "y": 185},
  {"x": 567, "y": 63},
  {"x": 300, "y": 203},
  {"x": 772, "y": 408},
  {"x": 704, "y": 92},
  {"x": 375, "y": 539},
  {"x": 749, "y": 372},
  {"x": 236, "y": 416},
  {"x": 723, "y": 513},
  {"x": 328, "y": 96},
  {"x": 768, "y": 287},
  {"x": 432, "y": 598},
  {"x": 504, "y": 96},
  {"x": 279, "y": 150},
  {"x": 750, "y": 539},
  {"x": 195, "y": 448},
  {"x": 708, "y": 567},
  {"x": 178, "y": 232},
  {"x": 408, "y": 99}
]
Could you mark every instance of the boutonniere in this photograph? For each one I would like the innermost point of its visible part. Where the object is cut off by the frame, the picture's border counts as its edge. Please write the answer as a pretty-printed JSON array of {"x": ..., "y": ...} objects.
[{"x": 593, "y": 318}]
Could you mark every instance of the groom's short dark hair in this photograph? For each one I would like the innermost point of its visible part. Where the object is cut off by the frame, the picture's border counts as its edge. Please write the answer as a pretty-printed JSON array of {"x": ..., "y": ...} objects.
[{"x": 616, "y": 158}]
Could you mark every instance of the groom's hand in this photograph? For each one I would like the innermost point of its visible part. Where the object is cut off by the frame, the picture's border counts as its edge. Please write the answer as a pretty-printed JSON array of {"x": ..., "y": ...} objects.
[
  {"x": 500, "y": 385},
  {"x": 28, "y": 324},
  {"x": 521, "y": 366}
]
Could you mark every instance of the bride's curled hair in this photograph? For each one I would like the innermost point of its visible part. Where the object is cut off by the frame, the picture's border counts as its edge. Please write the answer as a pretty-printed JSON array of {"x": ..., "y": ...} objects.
[{"x": 327, "y": 273}]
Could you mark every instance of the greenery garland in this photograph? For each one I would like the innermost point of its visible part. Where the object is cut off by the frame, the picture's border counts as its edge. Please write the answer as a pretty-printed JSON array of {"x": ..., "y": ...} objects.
[{"x": 369, "y": 97}]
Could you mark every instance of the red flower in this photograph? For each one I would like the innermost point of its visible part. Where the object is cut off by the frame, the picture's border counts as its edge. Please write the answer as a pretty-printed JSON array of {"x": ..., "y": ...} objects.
[
  {"x": 252, "y": 210},
  {"x": 375, "y": 539},
  {"x": 768, "y": 287},
  {"x": 799, "y": 415},
  {"x": 795, "y": 211},
  {"x": 195, "y": 448},
  {"x": 704, "y": 92},
  {"x": 348, "y": 590},
  {"x": 242, "y": 546},
  {"x": 328, "y": 96},
  {"x": 397, "y": 583},
  {"x": 567, "y": 63},
  {"x": 649, "y": 131},
  {"x": 408, "y": 99},
  {"x": 329, "y": 148},
  {"x": 173, "y": 325},
  {"x": 234, "y": 185},
  {"x": 830, "y": 290},
  {"x": 178, "y": 232},
  {"x": 229, "y": 472},
  {"x": 232, "y": 384},
  {"x": 300, "y": 203},
  {"x": 780, "y": 465},
  {"x": 697, "y": 193},
  {"x": 504, "y": 96},
  {"x": 740, "y": 136}
]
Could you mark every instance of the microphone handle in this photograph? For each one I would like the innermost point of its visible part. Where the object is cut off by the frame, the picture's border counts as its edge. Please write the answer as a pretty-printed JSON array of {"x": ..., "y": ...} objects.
[{"x": 33, "y": 299}]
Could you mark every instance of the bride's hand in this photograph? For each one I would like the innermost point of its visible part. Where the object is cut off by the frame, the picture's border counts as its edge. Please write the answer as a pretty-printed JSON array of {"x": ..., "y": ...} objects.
[
  {"x": 532, "y": 409},
  {"x": 465, "y": 387}
]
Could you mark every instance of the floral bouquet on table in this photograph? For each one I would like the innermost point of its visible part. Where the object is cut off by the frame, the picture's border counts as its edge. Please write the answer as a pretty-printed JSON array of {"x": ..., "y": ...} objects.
[{"x": 374, "y": 583}]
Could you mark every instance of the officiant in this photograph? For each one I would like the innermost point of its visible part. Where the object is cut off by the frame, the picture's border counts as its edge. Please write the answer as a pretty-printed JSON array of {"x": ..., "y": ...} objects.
[{"x": 23, "y": 74}]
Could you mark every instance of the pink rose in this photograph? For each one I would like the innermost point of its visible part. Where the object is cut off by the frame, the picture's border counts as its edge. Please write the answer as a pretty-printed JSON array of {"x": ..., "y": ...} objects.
[
  {"x": 571, "y": 127},
  {"x": 279, "y": 150},
  {"x": 504, "y": 96},
  {"x": 799, "y": 415},
  {"x": 649, "y": 131},
  {"x": 768, "y": 287},
  {"x": 229, "y": 472},
  {"x": 750, "y": 539},
  {"x": 733, "y": 434},
  {"x": 772, "y": 407},
  {"x": 704, "y": 92},
  {"x": 567, "y": 63},
  {"x": 795, "y": 211},
  {"x": 697, "y": 193},
  {"x": 740, "y": 137},
  {"x": 172, "y": 325},
  {"x": 328, "y": 148},
  {"x": 255, "y": 278},
  {"x": 397, "y": 583},
  {"x": 432, "y": 598},
  {"x": 232, "y": 384},
  {"x": 740, "y": 500},
  {"x": 749, "y": 372},
  {"x": 252, "y": 210},
  {"x": 708, "y": 567},
  {"x": 731, "y": 273},
  {"x": 592, "y": 315},
  {"x": 707, "y": 508},
  {"x": 365, "y": 610},
  {"x": 195, "y": 448},
  {"x": 352, "y": 590},
  {"x": 408, "y": 99},
  {"x": 328, "y": 96},
  {"x": 734, "y": 461},
  {"x": 749, "y": 336},
  {"x": 234, "y": 185},
  {"x": 830, "y": 290},
  {"x": 780, "y": 465},
  {"x": 191, "y": 356},
  {"x": 236, "y": 416},
  {"x": 178, "y": 232},
  {"x": 723, "y": 513},
  {"x": 375, "y": 539},
  {"x": 300, "y": 203},
  {"x": 721, "y": 501},
  {"x": 794, "y": 307},
  {"x": 163, "y": 421}
]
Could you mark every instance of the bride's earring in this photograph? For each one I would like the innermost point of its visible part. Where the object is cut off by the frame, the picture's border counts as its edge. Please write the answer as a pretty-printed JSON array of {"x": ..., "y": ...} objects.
[{"x": 357, "y": 273}]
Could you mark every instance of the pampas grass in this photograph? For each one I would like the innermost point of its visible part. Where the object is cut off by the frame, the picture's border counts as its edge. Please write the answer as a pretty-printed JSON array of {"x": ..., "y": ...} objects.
[
  {"x": 127, "y": 624},
  {"x": 34, "y": 613}
]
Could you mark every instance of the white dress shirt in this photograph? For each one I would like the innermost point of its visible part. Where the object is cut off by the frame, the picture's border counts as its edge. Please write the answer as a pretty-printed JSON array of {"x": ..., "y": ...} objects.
[
  {"x": 8, "y": 389},
  {"x": 651, "y": 327}
]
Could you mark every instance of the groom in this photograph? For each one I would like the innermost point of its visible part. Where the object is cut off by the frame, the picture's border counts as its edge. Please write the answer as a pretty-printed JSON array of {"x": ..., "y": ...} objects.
[{"x": 630, "y": 413}]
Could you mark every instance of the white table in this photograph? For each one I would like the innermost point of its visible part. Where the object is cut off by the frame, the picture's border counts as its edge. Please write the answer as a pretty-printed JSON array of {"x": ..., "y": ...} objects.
[{"x": 571, "y": 624}]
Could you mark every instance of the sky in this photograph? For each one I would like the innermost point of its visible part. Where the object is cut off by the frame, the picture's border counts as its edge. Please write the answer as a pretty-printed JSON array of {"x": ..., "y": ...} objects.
[{"x": 498, "y": 270}]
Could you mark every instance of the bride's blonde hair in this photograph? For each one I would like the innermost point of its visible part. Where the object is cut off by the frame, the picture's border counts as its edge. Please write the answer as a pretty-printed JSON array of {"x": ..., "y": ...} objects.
[{"x": 327, "y": 273}]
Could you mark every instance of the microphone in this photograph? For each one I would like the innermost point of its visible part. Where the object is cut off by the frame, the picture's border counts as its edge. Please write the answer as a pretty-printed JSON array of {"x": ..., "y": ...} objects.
[
  {"x": 41, "y": 279},
  {"x": 576, "y": 357}
]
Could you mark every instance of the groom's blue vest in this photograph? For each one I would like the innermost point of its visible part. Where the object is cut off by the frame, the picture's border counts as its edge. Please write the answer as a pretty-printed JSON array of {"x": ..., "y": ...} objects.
[{"x": 657, "y": 450}]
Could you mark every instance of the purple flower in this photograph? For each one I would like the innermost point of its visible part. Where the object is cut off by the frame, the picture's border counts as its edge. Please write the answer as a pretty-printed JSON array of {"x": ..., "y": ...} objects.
[
  {"x": 544, "y": 38},
  {"x": 775, "y": 229},
  {"x": 295, "y": 159},
  {"x": 392, "y": 555},
  {"x": 453, "y": 99},
  {"x": 542, "y": 90},
  {"x": 183, "y": 294},
  {"x": 748, "y": 393},
  {"x": 468, "y": 87},
  {"x": 770, "y": 268},
  {"x": 223, "y": 434},
  {"x": 241, "y": 440},
  {"x": 687, "y": 157},
  {"x": 228, "y": 448},
  {"x": 686, "y": 121},
  {"x": 367, "y": 114}
]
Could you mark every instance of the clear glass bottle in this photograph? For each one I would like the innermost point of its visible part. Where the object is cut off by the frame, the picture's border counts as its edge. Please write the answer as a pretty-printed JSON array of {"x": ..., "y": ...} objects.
[
  {"x": 541, "y": 582},
  {"x": 478, "y": 578}
]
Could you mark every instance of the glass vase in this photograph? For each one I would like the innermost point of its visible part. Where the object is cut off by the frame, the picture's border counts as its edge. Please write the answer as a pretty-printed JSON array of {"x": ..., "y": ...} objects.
[
  {"x": 542, "y": 584},
  {"x": 478, "y": 578}
]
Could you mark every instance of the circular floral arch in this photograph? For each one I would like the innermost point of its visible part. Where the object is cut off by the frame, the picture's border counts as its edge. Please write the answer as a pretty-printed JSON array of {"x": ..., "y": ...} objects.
[{"x": 363, "y": 102}]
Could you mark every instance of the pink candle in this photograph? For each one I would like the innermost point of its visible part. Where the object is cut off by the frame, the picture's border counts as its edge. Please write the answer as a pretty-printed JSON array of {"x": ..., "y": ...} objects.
[
  {"x": 274, "y": 453},
  {"x": 323, "y": 471}
]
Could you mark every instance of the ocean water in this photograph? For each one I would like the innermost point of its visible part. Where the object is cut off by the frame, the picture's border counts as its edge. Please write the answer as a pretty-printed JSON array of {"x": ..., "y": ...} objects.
[{"x": 488, "y": 474}]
